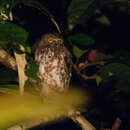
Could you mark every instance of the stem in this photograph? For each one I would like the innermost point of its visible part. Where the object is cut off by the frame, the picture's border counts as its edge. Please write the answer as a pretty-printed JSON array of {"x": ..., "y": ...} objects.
[
  {"x": 58, "y": 28},
  {"x": 81, "y": 121},
  {"x": 72, "y": 114},
  {"x": 21, "y": 63}
]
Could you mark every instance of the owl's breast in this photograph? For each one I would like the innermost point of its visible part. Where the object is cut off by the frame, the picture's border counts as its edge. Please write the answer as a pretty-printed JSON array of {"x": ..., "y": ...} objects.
[{"x": 53, "y": 68}]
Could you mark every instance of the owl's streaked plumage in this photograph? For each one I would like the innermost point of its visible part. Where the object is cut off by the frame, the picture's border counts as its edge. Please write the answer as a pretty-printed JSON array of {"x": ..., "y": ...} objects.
[{"x": 54, "y": 63}]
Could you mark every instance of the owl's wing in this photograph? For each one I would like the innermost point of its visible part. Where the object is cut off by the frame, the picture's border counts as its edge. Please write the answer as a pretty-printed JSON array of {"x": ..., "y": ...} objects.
[{"x": 39, "y": 55}]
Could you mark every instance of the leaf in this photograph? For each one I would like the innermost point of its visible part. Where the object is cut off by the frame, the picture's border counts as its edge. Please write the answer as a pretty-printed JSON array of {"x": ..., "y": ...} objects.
[
  {"x": 81, "y": 39},
  {"x": 98, "y": 79},
  {"x": 78, "y": 52},
  {"x": 31, "y": 70},
  {"x": 77, "y": 10},
  {"x": 11, "y": 33},
  {"x": 103, "y": 20},
  {"x": 120, "y": 71},
  {"x": 104, "y": 56}
]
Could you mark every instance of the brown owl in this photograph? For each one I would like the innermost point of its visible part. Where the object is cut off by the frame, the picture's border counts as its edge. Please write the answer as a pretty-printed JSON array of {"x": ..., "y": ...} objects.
[{"x": 54, "y": 63}]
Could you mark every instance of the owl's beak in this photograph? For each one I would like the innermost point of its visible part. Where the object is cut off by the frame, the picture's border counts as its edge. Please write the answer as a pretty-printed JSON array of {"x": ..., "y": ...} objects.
[{"x": 56, "y": 40}]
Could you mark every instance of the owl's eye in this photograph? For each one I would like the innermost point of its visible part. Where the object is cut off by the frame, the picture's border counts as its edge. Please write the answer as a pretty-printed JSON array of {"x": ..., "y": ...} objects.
[
  {"x": 50, "y": 40},
  {"x": 60, "y": 40}
]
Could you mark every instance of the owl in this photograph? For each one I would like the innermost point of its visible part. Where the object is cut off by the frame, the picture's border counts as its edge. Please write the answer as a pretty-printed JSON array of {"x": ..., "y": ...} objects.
[{"x": 54, "y": 63}]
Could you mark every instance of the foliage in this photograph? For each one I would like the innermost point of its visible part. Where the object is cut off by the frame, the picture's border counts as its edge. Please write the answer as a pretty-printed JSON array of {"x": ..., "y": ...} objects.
[
  {"x": 120, "y": 71},
  {"x": 81, "y": 39},
  {"x": 77, "y": 10},
  {"x": 78, "y": 52},
  {"x": 77, "y": 40},
  {"x": 31, "y": 70},
  {"x": 13, "y": 34}
]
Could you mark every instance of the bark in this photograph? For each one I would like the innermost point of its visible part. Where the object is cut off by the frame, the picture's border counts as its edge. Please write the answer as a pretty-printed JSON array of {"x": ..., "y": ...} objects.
[
  {"x": 80, "y": 120},
  {"x": 7, "y": 60},
  {"x": 77, "y": 118},
  {"x": 21, "y": 63}
]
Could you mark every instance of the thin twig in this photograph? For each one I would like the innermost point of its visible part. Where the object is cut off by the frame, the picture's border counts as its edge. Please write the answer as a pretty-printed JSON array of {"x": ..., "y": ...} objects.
[
  {"x": 87, "y": 64},
  {"x": 78, "y": 68},
  {"x": 57, "y": 26}
]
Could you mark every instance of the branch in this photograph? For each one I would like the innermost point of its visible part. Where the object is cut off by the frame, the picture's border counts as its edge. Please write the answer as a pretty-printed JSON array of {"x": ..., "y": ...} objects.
[
  {"x": 86, "y": 64},
  {"x": 80, "y": 120},
  {"x": 78, "y": 68},
  {"x": 116, "y": 124},
  {"x": 28, "y": 124},
  {"x": 21, "y": 63},
  {"x": 7, "y": 60},
  {"x": 75, "y": 116},
  {"x": 17, "y": 65}
]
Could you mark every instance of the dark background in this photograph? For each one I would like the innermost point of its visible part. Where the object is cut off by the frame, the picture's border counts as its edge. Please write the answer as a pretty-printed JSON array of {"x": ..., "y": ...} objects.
[{"x": 108, "y": 103}]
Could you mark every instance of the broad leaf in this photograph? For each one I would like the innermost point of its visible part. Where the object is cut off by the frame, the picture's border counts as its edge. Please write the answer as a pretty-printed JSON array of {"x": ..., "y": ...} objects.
[
  {"x": 78, "y": 52},
  {"x": 77, "y": 10},
  {"x": 120, "y": 71},
  {"x": 103, "y": 20},
  {"x": 105, "y": 57},
  {"x": 12, "y": 35},
  {"x": 98, "y": 80},
  {"x": 82, "y": 39},
  {"x": 31, "y": 70}
]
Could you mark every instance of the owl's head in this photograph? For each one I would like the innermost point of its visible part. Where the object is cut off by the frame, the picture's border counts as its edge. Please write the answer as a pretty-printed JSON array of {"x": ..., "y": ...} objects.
[{"x": 52, "y": 39}]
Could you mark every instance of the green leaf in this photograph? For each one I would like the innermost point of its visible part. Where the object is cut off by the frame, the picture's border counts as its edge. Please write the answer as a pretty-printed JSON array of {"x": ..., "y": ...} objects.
[
  {"x": 31, "y": 70},
  {"x": 98, "y": 79},
  {"x": 105, "y": 57},
  {"x": 82, "y": 39},
  {"x": 120, "y": 71},
  {"x": 103, "y": 20},
  {"x": 78, "y": 52},
  {"x": 77, "y": 10},
  {"x": 11, "y": 33}
]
